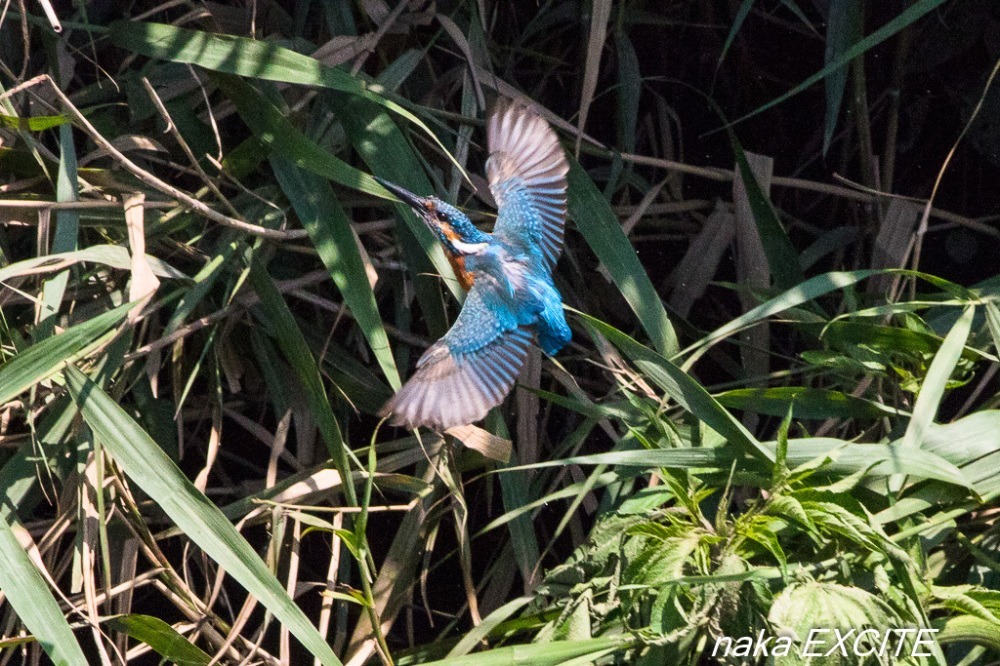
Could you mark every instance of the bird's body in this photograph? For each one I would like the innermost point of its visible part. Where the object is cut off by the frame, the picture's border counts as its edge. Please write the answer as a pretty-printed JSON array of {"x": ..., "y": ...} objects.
[{"x": 512, "y": 298}]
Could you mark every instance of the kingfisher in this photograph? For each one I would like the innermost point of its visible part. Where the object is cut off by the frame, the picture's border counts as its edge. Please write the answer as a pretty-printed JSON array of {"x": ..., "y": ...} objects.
[{"x": 512, "y": 301}]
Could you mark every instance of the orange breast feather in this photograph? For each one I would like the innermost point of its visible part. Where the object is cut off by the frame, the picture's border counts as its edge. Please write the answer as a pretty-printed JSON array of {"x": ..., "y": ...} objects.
[{"x": 458, "y": 265}]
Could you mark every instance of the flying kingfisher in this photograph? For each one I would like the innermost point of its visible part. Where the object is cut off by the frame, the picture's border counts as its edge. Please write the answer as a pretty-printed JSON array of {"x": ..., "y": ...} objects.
[{"x": 507, "y": 273}]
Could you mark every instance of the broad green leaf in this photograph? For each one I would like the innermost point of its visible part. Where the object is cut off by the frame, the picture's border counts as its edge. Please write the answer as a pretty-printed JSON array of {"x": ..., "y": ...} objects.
[
  {"x": 933, "y": 387},
  {"x": 251, "y": 58},
  {"x": 687, "y": 392},
  {"x": 296, "y": 351},
  {"x": 66, "y": 233},
  {"x": 593, "y": 216},
  {"x": 806, "y": 403},
  {"x": 330, "y": 231},
  {"x": 159, "y": 477},
  {"x": 802, "y": 293},
  {"x": 539, "y": 654},
  {"x": 114, "y": 256},
  {"x": 32, "y": 600},
  {"x": 275, "y": 131},
  {"x": 843, "y": 458},
  {"x": 160, "y": 636},
  {"x": 782, "y": 258},
  {"x": 40, "y": 361},
  {"x": 33, "y": 123},
  {"x": 843, "y": 28}
]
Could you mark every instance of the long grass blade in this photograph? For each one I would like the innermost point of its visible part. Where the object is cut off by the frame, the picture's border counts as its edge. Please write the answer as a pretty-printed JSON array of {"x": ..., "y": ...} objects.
[{"x": 201, "y": 520}]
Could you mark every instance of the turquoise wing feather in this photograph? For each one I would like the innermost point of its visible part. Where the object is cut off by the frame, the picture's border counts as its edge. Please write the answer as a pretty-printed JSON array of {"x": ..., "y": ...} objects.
[
  {"x": 468, "y": 371},
  {"x": 527, "y": 174}
]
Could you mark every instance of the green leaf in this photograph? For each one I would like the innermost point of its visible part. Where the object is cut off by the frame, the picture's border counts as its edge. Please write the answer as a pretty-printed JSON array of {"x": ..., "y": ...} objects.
[
  {"x": 296, "y": 351},
  {"x": 782, "y": 258},
  {"x": 330, "y": 231},
  {"x": 686, "y": 391},
  {"x": 40, "y": 361},
  {"x": 842, "y": 29},
  {"x": 806, "y": 403},
  {"x": 34, "y": 123},
  {"x": 251, "y": 58},
  {"x": 907, "y": 17},
  {"x": 597, "y": 222},
  {"x": 738, "y": 20},
  {"x": 160, "y": 636},
  {"x": 275, "y": 131},
  {"x": 30, "y": 597},
  {"x": 201, "y": 520},
  {"x": 539, "y": 654},
  {"x": 932, "y": 389}
]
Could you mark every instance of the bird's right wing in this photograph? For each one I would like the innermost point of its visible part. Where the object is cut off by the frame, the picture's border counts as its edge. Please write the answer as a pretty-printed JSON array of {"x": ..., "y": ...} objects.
[
  {"x": 527, "y": 172},
  {"x": 468, "y": 371}
]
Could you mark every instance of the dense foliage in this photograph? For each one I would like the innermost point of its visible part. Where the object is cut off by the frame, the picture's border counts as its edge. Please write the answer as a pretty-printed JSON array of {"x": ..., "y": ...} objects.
[{"x": 779, "y": 411}]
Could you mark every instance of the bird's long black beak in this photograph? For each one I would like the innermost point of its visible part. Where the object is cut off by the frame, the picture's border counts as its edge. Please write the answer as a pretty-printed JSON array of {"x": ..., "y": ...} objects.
[{"x": 405, "y": 196}]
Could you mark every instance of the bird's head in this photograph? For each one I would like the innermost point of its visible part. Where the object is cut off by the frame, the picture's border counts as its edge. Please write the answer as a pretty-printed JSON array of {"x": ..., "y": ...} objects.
[{"x": 452, "y": 227}]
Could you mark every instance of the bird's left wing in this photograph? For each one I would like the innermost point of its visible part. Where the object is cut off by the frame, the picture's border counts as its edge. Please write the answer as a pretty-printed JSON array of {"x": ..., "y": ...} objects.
[
  {"x": 527, "y": 172},
  {"x": 468, "y": 371}
]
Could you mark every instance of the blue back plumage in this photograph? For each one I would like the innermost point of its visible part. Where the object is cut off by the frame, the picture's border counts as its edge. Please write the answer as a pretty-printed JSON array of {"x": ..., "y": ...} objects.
[{"x": 513, "y": 298}]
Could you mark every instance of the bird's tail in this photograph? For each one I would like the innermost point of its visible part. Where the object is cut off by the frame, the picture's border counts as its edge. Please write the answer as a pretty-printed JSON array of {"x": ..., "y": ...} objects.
[{"x": 553, "y": 331}]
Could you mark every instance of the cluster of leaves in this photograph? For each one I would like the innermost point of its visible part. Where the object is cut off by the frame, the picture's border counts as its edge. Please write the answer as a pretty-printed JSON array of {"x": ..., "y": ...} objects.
[{"x": 205, "y": 302}]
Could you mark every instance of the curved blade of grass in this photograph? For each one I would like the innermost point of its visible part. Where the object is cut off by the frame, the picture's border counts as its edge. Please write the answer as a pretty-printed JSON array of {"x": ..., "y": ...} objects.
[
  {"x": 251, "y": 58},
  {"x": 907, "y": 17},
  {"x": 933, "y": 387},
  {"x": 844, "y": 458},
  {"x": 687, "y": 392},
  {"x": 805, "y": 403},
  {"x": 389, "y": 155},
  {"x": 201, "y": 520},
  {"x": 114, "y": 256},
  {"x": 296, "y": 351},
  {"x": 797, "y": 295},
  {"x": 741, "y": 16},
  {"x": 330, "y": 231},
  {"x": 275, "y": 131},
  {"x": 539, "y": 654},
  {"x": 782, "y": 259},
  {"x": 160, "y": 636},
  {"x": 40, "y": 361},
  {"x": 66, "y": 233},
  {"x": 471, "y": 639},
  {"x": 597, "y": 222},
  {"x": 37, "y": 608},
  {"x": 842, "y": 29},
  {"x": 33, "y": 123}
]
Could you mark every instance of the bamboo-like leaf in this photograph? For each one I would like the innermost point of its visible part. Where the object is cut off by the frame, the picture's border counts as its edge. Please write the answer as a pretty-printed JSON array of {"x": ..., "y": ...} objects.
[
  {"x": 686, "y": 391},
  {"x": 540, "y": 654},
  {"x": 276, "y": 132},
  {"x": 160, "y": 636},
  {"x": 782, "y": 258},
  {"x": 843, "y": 28},
  {"x": 593, "y": 216},
  {"x": 32, "y": 600},
  {"x": 331, "y": 234},
  {"x": 251, "y": 58},
  {"x": 40, "y": 361},
  {"x": 296, "y": 351},
  {"x": 806, "y": 403},
  {"x": 201, "y": 520},
  {"x": 933, "y": 387}
]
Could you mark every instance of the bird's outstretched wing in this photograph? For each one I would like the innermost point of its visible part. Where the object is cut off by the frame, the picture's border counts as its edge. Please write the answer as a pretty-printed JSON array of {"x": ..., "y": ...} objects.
[
  {"x": 527, "y": 173},
  {"x": 468, "y": 371}
]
